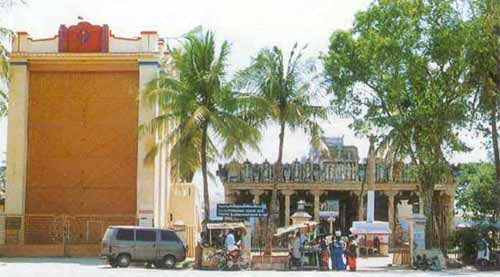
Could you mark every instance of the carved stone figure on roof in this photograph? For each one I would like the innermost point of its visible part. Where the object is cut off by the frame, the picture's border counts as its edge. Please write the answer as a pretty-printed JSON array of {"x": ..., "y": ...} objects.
[
  {"x": 328, "y": 171},
  {"x": 307, "y": 171},
  {"x": 257, "y": 168},
  {"x": 222, "y": 173},
  {"x": 234, "y": 171},
  {"x": 268, "y": 171},
  {"x": 287, "y": 172},
  {"x": 316, "y": 172},
  {"x": 296, "y": 171},
  {"x": 247, "y": 171}
]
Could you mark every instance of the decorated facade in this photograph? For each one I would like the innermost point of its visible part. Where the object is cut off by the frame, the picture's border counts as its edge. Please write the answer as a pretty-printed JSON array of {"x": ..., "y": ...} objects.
[
  {"x": 336, "y": 180},
  {"x": 75, "y": 159}
]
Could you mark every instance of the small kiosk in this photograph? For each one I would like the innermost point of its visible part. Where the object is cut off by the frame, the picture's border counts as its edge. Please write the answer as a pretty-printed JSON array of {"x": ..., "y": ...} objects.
[{"x": 373, "y": 237}]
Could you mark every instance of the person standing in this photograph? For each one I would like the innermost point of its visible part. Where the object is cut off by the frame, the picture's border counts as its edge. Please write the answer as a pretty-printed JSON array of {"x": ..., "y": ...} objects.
[
  {"x": 351, "y": 254},
  {"x": 324, "y": 253},
  {"x": 296, "y": 253},
  {"x": 483, "y": 252},
  {"x": 338, "y": 252},
  {"x": 230, "y": 242},
  {"x": 376, "y": 245},
  {"x": 331, "y": 247}
]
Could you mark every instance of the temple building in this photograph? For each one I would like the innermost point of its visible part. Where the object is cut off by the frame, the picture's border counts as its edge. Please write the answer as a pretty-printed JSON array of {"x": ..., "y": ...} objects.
[
  {"x": 331, "y": 186},
  {"x": 75, "y": 159}
]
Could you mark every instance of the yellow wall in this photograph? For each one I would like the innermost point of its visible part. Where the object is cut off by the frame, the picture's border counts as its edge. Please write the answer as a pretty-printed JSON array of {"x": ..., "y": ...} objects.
[{"x": 183, "y": 206}]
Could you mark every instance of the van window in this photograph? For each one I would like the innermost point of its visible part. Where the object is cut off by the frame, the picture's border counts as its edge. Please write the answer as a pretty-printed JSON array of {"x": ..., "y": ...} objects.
[
  {"x": 145, "y": 235},
  {"x": 108, "y": 234},
  {"x": 168, "y": 235},
  {"x": 125, "y": 234}
]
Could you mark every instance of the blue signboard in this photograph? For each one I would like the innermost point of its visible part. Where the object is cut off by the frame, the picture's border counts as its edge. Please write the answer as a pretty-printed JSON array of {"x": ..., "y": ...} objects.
[{"x": 233, "y": 210}]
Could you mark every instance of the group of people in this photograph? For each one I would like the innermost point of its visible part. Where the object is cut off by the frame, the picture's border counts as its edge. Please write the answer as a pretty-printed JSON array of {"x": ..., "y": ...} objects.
[
  {"x": 424, "y": 263},
  {"x": 486, "y": 247},
  {"x": 333, "y": 249}
]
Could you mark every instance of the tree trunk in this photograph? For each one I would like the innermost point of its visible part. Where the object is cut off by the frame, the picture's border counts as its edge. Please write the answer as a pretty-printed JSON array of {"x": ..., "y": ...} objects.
[
  {"x": 494, "y": 127},
  {"x": 427, "y": 191},
  {"x": 204, "y": 171},
  {"x": 274, "y": 196},
  {"x": 496, "y": 152},
  {"x": 282, "y": 141}
]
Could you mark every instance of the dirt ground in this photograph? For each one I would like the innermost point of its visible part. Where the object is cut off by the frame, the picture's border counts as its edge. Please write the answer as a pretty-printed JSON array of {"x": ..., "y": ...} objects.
[{"x": 86, "y": 267}]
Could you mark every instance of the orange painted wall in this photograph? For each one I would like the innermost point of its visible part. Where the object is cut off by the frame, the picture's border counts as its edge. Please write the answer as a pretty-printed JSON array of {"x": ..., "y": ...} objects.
[{"x": 82, "y": 144}]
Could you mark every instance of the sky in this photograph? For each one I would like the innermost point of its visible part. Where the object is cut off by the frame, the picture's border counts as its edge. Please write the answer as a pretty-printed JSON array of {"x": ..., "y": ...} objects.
[{"x": 247, "y": 25}]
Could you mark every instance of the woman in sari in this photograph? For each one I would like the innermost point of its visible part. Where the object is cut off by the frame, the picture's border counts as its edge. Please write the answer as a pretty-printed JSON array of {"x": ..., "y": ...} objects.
[
  {"x": 338, "y": 252},
  {"x": 351, "y": 249},
  {"x": 324, "y": 253}
]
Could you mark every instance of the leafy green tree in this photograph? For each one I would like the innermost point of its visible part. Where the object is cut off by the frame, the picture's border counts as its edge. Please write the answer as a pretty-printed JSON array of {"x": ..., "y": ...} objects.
[
  {"x": 284, "y": 87},
  {"x": 483, "y": 57},
  {"x": 401, "y": 69},
  {"x": 198, "y": 109},
  {"x": 474, "y": 191}
]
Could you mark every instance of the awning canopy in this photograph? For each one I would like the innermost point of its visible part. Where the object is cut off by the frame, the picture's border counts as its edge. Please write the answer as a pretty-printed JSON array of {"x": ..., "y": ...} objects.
[
  {"x": 226, "y": 226},
  {"x": 370, "y": 228},
  {"x": 294, "y": 227}
]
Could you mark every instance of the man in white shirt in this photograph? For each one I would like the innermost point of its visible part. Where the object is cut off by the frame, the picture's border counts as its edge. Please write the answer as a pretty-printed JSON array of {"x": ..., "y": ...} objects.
[{"x": 230, "y": 242}]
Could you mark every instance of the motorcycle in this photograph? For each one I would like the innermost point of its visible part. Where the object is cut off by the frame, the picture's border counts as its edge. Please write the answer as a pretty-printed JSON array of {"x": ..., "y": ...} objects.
[
  {"x": 231, "y": 259},
  {"x": 293, "y": 262}
]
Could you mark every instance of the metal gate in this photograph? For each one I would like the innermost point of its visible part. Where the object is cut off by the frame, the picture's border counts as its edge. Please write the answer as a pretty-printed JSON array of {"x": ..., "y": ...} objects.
[{"x": 69, "y": 230}]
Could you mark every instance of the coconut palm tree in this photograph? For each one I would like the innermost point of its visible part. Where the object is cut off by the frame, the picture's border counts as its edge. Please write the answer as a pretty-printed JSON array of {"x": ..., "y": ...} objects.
[
  {"x": 4, "y": 73},
  {"x": 198, "y": 110},
  {"x": 5, "y": 36},
  {"x": 286, "y": 87}
]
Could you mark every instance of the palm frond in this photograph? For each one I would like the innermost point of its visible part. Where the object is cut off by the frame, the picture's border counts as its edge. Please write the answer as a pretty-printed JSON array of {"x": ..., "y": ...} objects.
[{"x": 195, "y": 98}]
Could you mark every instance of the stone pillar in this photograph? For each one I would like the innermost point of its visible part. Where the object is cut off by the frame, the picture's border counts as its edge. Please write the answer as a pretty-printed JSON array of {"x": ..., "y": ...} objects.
[
  {"x": 420, "y": 203},
  {"x": 287, "y": 194},
  {"x": 258, "y": 231},
  {"x": 230, "y": 196},
  {"x": 256, "y": 195},
  {"x": 317, "y": 194}
]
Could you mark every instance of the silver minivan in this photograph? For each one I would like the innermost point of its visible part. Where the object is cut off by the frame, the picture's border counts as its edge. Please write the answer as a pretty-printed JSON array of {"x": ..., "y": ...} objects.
[{"x": 124, "y": 244}]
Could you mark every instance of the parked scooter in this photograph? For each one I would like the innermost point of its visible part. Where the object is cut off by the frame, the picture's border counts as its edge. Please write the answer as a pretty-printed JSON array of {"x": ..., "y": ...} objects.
[
  {"x": 231, "y": 260},
  {"x": 293, "y": 263}
]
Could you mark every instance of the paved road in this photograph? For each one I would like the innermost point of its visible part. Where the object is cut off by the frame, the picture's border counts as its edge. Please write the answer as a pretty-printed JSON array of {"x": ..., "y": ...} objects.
[{"x": 89, "y": 267}]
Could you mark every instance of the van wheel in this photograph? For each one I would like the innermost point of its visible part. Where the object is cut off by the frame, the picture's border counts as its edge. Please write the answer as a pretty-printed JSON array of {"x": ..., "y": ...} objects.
[
  {"x": 158, "y": 264},
  {"x": 123, "y": 260},
  {"x": 169, "y": 262},
  {"x": 113, "y": 263}
]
